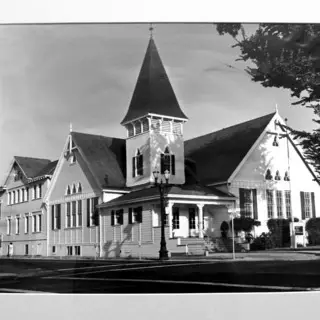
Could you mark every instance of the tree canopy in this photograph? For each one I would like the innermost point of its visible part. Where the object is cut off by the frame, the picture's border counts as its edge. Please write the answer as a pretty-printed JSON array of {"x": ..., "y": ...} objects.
[{"x": 285, "y": 56}]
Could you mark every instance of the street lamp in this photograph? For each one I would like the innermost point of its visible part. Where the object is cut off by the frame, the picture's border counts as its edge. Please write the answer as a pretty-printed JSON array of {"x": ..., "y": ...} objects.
[{"x": 163, "y": 253}]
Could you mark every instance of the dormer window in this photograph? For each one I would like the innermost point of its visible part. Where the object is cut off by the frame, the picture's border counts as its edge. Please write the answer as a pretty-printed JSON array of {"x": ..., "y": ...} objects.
[
  {"x": 286, "y": 176},
  {"x": 137, "y": 164},
  {"x": 277, "y": 177},
  {"x": 268, "y": 175},
  {"x": 168, "y": 162},
  {"x": 275, "y": 141}
]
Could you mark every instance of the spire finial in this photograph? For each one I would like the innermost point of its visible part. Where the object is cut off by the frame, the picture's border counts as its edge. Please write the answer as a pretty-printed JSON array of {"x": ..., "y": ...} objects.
[
  {"x": 70, "y": 127},
  {"x": 276, "y": 108},
  {"x": 151, "y": 30}
]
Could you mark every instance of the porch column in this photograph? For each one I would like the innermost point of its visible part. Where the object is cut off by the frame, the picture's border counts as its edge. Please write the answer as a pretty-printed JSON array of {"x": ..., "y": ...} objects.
[
  {"x": 169, "y": 212},
  {"x": 200, "y": 220}
]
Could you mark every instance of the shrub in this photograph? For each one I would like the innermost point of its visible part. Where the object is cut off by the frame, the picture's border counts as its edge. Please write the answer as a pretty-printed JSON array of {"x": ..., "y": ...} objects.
[
  {"x": 313, "y": 229},
  {"x": 279, "y": 232},
  {"x": 244, "y": 224}
]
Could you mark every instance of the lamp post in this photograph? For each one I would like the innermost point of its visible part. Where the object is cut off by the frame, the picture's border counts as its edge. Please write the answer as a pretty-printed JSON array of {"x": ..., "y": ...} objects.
[{"x": 163, "y": 253}]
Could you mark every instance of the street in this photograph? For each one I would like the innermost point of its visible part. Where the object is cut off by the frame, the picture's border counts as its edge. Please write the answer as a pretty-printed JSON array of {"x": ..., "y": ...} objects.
[{"x": 134, "y": 276}]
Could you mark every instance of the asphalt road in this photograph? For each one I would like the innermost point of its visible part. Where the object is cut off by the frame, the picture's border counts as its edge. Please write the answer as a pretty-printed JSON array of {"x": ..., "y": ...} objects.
[{"x": 151, "y": 277}]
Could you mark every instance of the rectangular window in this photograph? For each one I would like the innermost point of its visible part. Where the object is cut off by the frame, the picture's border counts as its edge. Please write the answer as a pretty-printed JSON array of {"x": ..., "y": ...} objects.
[
  {"x": 68, "y": 215},
  {"x": 94, "y": 212},
  {"x": 9, "y": 198},
  {"x": 34, "y": 223},
  {"x": 17, "y": 225},
  {"x": 27, "y": 194},
  {"x": 119, "y": 217},
  {"x": 13, "y": 197},
  {"x": 9, "y": 226},
  {"x": 279, "y": 203},
  {"x": 53, "y": 249},
  {"x": 176, "y": 218},
  {"x": 34, "y": 192},
  {"x": 18, "y": 196},
  {"x": 69, "y": 249},
  {"x": 22, "y": 195},
  {"x": 137, "y": 215},
  {"x": 58, "y": 216},
  {"x": 288, "y": 203},
  {"x": 77, "y": 250},
  {"x": 307, "y": 204},
  {"x": 248, "y": 203},
  {"x": 26, "y": 252},
  {"x": 79, "y": 213},
  {"x": 26, "y": 224},
  {"x": 74, "y": 213},
  {"x": 270, "y": 203},
  {"x": 39, "y": 223},
  {"x": 192, "y": 218},
  {"x": 40, "y": 190}
]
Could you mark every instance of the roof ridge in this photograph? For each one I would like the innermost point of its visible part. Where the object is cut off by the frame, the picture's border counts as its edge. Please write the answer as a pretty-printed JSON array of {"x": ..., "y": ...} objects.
[
  {"x": 232, "y": 126},
  {"x": 97, "y": 135},
  {"x": 33, "y": 158}
]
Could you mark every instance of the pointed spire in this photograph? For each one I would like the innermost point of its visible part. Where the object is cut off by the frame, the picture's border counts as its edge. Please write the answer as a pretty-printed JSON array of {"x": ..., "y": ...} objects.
[{"x": 153, "y": 92}]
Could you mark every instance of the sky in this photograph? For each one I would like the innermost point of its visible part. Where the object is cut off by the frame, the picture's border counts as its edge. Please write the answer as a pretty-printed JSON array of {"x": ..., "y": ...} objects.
[{"x": 54, "y": 74}]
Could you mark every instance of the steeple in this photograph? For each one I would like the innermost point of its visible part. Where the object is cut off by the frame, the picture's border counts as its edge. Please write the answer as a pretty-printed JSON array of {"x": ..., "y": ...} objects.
[{"x": 153, "y": 93}]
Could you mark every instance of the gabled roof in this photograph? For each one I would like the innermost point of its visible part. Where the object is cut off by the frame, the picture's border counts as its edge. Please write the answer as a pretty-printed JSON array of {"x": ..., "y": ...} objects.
[
  {"x": 31, "y": 166},
  {"x": 105, "y": 157},
  {"x": 48, "y": 169},
  {"x": 172, "y": 191},
  {"x": 218, "y": 154},
  {"x": 153, "y": 92}
]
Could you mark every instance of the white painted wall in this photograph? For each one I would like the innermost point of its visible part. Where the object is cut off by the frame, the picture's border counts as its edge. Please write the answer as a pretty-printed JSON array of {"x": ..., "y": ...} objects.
[{"x": 266, "y": 156}]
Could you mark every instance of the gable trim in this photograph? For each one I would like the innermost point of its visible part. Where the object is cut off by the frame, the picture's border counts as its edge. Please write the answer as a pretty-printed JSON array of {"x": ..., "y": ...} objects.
[{"x": 253, "y": 147}]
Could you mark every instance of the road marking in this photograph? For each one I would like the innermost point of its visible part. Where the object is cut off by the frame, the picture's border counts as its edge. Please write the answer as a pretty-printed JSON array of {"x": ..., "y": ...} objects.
[
  {"x": 100, "y": 266},
  {"x": 222, "y": 284},
  {"x": 140, "y": 268},
  {"x": 23, "y": 291}
]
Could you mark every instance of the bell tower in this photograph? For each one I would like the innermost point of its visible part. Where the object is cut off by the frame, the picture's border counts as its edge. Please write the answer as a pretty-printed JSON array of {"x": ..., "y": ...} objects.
[{"x": 154, "y": 124}]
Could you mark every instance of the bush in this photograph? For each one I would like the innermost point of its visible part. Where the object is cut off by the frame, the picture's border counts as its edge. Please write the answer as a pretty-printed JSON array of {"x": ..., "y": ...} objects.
[
  {"x": 279, "y": 232},
  {"x": 244, "y": 224},
  {"x": 262, "y": 242},
  {"x": 313, "y": 229}
]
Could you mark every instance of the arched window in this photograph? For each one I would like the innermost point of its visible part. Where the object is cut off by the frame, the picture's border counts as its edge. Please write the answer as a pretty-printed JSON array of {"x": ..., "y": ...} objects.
[
  {"x": 79, "y": 187},
  {"x": 277, "y": 177},
  {"x": 286, "y": 176},
  {"x": 68, "y": 191},
  {"x": 74, "y": 189},
  {"x": 268, "y": 175},
  {"x": 168, "y": 162},
  {"x": 137, "y": 164}
]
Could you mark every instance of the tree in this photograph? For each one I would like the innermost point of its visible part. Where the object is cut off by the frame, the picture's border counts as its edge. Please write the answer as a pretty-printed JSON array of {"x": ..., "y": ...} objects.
[{"x": 286, "y": 56}]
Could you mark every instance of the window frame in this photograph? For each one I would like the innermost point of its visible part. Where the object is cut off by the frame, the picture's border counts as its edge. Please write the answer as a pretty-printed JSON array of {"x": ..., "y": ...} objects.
[
  {"x": 279, "y": 203},
  {"x": 270, "y": 203}
]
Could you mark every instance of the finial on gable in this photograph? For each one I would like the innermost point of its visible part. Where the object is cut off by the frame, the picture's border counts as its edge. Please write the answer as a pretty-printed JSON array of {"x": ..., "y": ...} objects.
[
  {"x": 70, "y": 127},
  {"x": 277, "y": 108}
]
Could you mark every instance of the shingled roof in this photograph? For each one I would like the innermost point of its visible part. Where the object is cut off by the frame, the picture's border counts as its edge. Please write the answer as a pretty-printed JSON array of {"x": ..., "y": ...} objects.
[
  {"x": 105, "y": 156},
  {"x": 48, "y": 169},
  {"x": 218, "y": 154},
  {"x": 153, "y": 92},
  {"x": 31, "y": 166}
]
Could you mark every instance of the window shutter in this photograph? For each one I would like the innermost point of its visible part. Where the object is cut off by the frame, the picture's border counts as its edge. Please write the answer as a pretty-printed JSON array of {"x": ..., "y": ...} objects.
[
  {"x": 162, "y": 169},
  {"x": 255, "y": 205},
  {"x": 52, "y": 217},
  {"x": 58, "y": 208},
  {"x": 133, "y": 167},
  {"x": 112, "y": 217},
  {"x": 241, "y": 196},
  {"x": 140, "y": 214},
  {"x": 173, "y": 164},
  {"x": 313, "y": 204},
  {"x": 95, "y": 211},
  {"x": 121, "y": 216},
  {"x": 303, "y": 212},
  {"x": 140, "y": 164},
  {"x": 88, "y": 212},
  {"x": 130, "y": 215}
]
